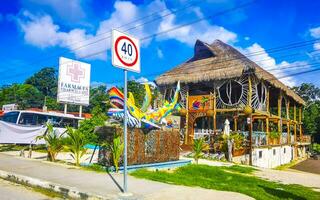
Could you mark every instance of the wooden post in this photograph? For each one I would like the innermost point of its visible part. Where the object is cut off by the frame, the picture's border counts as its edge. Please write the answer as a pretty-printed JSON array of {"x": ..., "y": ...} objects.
[
  {"x": 300, "y": 122},
  {"x": 288, "y": 121},
  {"x": 268, "y": 101},
  {"x": 279, "y": 115},
  {"x": 187, "y": 119},
  {"x": 235, "y": 127},
  {"x": 267, "y": 129},
  {"x": 214, "y": 110},
  {"x": 250, "y": 125},
  {"x": 295, "y": 130}
]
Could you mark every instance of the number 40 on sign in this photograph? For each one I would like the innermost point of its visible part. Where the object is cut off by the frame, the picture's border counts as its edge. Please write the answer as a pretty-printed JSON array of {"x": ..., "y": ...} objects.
[{"x": 125, "y": 51}]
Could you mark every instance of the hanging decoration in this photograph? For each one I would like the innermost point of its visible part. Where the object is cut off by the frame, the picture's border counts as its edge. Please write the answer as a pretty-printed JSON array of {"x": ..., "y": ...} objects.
[
  {"x": 259, "y": 95},
  {"x": 232, "y": 93},
  {"x": 143, "y": 117}
]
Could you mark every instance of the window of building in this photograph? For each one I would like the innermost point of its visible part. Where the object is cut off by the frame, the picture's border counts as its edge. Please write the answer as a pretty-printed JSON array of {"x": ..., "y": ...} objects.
[
  {"x": 260, "y": 154},
  {"x": 284, "y": 150},
  {"x": 274, "y": 152}
]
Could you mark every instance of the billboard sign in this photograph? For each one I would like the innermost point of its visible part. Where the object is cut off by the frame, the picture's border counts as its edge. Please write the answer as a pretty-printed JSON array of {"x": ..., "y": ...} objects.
[{"x": 74, "y": 82}]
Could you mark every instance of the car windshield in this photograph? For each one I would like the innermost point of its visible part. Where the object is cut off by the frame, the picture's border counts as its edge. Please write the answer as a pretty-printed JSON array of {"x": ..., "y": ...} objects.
[{"x": 10, "y": 117}]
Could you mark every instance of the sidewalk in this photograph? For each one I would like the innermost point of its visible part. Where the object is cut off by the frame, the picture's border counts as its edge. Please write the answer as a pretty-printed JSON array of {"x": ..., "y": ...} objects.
[{"x": 105, "y": 185}]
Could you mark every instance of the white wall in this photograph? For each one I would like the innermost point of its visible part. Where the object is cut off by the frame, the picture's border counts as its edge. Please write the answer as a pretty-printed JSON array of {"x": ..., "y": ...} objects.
[{"x": 271, "y": 157}]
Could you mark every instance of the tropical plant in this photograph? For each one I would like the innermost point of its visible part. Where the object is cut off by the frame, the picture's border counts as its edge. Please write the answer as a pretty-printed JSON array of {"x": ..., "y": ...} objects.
[
  {"x": 116, "y": 148},
  {"x": 75, "y": 143},
  {"x": 87, "y": 126},
  {"x": 238, "y": 140},
  {"x": 316, "y": 148},
  {"x": 199, "y": 146},
  {"x": 274, "y": 134},
  {"x": 54, "y": 142}
]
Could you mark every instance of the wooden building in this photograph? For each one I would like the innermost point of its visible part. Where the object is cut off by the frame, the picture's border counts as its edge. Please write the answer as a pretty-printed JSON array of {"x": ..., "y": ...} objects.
[{"x": 220, "y": 83}]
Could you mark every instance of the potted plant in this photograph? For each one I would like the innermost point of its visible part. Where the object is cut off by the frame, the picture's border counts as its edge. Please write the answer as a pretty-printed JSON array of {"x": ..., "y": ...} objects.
[{"x": 274, "y": 136}]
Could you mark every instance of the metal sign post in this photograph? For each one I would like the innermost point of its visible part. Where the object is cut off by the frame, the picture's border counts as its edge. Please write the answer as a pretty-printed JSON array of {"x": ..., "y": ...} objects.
[
  {"x": 125, "y": 55},
  {"x": 125, "y": 173}
]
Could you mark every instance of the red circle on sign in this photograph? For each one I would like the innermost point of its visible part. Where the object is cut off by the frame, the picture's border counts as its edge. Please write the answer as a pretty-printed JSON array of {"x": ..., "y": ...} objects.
[{"x": 118, "y": 56}]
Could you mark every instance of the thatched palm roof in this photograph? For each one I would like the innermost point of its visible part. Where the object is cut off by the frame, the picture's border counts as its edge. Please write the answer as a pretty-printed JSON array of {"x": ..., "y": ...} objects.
[{"x": 219, "y": 61}]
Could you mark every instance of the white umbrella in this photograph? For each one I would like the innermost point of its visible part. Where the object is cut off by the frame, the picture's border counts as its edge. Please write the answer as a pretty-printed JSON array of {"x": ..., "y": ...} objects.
[{"x": 226, "y": 129}]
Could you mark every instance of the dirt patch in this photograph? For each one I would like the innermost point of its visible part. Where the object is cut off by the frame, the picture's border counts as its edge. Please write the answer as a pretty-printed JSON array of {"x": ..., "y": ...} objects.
[{"x": 309, "y": 165}]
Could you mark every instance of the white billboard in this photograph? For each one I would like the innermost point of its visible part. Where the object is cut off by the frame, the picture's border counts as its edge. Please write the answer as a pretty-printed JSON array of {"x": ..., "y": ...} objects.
[{"x": 74, "y": 82}]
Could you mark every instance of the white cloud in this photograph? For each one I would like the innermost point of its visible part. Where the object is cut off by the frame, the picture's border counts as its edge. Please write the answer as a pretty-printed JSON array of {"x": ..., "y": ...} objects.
[
  {"x": 315, "y": 32},
  {"x": 143, "y": 80},
  {"x": 282, "y": 70},
  {"x": 96, "y": 84},
  {"x": 41, "y": 30},
  {"x": 70, "y": 10},
  {"x": 247, "y": 38},
  {"x": 189, "y": 34},
  {"x": 159, "y": 53}
]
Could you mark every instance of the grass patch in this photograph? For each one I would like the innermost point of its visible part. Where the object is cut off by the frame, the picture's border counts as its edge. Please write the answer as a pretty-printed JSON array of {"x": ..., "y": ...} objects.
[
  {"x": 95, "y": 168},
  {"x": 287, "y": 166},
  {"x": 14, "y": 147},
  {"x": 233, "y": 179}
]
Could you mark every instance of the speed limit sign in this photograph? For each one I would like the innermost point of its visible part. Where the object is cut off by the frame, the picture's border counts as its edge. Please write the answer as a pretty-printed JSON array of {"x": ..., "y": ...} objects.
[{"x": 125, "y": 51}]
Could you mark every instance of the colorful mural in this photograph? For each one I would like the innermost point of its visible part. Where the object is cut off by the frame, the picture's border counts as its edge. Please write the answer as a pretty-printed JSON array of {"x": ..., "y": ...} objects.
[
  {"x": 143, "y": 117},
  {"x": 200, "y": 102}
]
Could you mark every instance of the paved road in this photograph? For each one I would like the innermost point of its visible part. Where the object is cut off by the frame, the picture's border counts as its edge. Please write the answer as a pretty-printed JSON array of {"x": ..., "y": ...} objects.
[
  {"x": 12, "y": 191},
  {"x": 309, "y": 165},
  {"x": 106, "y": 185}
]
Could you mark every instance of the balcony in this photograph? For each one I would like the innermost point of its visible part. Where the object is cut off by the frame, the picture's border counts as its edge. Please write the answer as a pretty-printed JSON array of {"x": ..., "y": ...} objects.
[{"x": 305, "y": 139}]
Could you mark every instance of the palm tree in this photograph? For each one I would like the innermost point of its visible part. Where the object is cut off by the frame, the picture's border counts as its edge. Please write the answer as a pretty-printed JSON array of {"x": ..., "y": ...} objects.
[
  {"x": 54, "y": 142},
  {"x": 75, "y": 143},
  {"x": 199, "y": 146},
  {"x": 116, "y": 149}
]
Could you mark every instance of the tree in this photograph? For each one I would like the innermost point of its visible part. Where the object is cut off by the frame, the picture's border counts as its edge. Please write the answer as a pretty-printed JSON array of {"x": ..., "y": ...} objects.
[
  {"x": 88, "y": 126},
  {"x": 25, "y": 95},
  {"x": 308, "y": 92},
  {"x": 311, "y": 115},
  {"x": 75, "y": 143},
  {"x": 138, "y": 92},
  {"x": 98, "y": 99},
  {"x": 45, "y": 81},
  {"x": 54, "y": 142}
]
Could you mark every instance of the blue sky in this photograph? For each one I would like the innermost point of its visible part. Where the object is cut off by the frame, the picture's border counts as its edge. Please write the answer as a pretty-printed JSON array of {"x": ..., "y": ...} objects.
[{"x": 34, "y": 33}]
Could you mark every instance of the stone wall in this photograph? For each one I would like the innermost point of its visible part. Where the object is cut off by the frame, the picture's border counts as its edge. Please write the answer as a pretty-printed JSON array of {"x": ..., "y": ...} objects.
[{"x": 145, "y": 146}]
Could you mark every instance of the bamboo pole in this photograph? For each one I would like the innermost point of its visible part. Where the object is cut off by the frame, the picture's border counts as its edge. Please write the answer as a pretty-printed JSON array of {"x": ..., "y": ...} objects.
[
  {"x": 268, "y": 100},
  {"x": 288, "y": 121},
  {"x": 214, "y": 110},
  {"x": 300, "y": 122},
  {"x": 250, "y": 125},
  {"x": 187, "y": 120},
  {"x": 279, "y": 115}
]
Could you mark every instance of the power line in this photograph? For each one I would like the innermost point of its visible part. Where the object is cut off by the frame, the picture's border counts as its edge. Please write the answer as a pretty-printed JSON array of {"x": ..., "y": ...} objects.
[{"x": 109, "y": 36}]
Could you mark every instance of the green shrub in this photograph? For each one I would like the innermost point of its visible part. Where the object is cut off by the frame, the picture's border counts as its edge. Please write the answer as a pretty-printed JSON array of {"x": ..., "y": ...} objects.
[
  {"x": 316, "y": 147},
  {"x": 116, "y": 149},
  {"x": 199, "y": 146},
  {"x": 75, "y": 143},
  {"x": 54, "y": 142},
  {"x": 274, "y": 134},
  {"x": 88, "y": 126}
]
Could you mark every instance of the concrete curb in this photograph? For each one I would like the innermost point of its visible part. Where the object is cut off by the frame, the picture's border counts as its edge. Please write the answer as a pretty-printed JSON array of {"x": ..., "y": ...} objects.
[{"x": 66, "y": 191}]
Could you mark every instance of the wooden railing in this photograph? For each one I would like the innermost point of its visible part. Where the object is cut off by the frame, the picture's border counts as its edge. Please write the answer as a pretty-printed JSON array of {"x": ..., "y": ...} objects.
[{"x": 304, "y": 139}]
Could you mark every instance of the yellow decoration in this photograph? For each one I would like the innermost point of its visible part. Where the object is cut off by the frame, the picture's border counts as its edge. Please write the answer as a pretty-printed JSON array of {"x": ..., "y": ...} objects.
[{"x": 247, "y": 110}]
